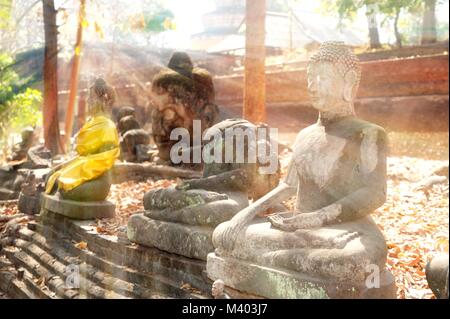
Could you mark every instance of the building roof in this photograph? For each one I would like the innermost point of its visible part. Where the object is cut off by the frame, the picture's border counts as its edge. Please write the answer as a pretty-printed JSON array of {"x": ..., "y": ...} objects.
[{"x": 283, "y": 31}]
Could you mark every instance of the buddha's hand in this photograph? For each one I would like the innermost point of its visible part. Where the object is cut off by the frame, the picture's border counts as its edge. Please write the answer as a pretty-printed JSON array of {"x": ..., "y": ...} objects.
[
  {"x": 226, "y": 234},
  {"x": 319, "y": 218}
]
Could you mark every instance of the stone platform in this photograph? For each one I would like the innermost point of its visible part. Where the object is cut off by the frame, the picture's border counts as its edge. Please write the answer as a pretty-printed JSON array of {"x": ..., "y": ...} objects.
[
  {"x": 77, "y": 210},
  {"x": 284, "y": 284},
  {"x": 181, "y": 239},
  {"x": 36, "y": 258}
]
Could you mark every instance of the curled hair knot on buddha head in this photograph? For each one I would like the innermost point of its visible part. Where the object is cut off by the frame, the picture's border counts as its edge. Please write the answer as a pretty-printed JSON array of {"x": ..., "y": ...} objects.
[{"x": 340, "y": 55}]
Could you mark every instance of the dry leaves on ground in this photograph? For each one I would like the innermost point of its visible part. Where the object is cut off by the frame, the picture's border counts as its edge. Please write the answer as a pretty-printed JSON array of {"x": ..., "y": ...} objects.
[
  {"x": 414, "y": 223},
  {"x": 81, "y": 245},
  {"x": 128, "y": 197}
]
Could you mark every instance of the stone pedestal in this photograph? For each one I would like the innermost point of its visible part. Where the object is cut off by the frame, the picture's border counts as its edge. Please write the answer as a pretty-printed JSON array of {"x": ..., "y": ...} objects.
[
  {"x": 285, "y": 284},
  {"x": 181, "y": 239},
  {"x": 185, "y": 231},
  {"x": 75, "y": 209}
]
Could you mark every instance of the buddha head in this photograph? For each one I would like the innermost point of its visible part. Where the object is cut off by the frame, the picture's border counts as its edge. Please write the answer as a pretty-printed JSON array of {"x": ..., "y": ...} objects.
[
  {"x": 181, "y": 62},
  {"x": 100, "y": 98},
  {"x": 217, "y": 289},
  {"x": 333, "y": 78}
]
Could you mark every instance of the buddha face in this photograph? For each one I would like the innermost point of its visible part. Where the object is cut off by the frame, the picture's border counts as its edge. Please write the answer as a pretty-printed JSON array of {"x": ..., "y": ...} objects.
[{"x": 330, "y": 91}]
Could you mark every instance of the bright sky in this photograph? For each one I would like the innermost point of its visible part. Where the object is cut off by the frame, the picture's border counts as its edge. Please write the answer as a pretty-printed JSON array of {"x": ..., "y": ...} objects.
[{"x": 188, "y": 17}]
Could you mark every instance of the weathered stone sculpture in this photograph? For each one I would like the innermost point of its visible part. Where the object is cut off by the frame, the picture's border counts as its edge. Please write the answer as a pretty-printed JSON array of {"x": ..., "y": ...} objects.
[
  {"x": 30, "y": 195},
  {"x": 101, "y": 93},
  {"x": 329, "y": 246},
  {"x": 180, "y": 95},
  {"x": 437, "y": 272},
  {"x": 20, "y": 150},
  {"x": 78, "y": 187},
  {"x": 134, "y": 140},
  {"x": 181, "y": 219},
  {"x": 10, "y": 181},
  {"x": 218, "y": 290}
]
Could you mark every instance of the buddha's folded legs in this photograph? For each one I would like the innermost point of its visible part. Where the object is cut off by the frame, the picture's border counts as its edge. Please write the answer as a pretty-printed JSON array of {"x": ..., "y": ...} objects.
[
  {"x": 339, "y": 252},
  {"x": 94, "y": 190},
  {"x": 208, "y": 214}
]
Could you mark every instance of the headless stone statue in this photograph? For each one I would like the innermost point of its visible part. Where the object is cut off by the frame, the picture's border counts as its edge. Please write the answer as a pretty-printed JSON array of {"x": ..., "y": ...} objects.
[
  {"x": 180, "y": 94},
  {"x": 329, "y": 245},
  {"x": 181, "y": 219}
]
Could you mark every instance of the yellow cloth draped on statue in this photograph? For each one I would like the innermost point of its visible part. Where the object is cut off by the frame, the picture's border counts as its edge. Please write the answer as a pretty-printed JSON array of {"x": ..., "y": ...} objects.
[{"x": 97, "y": 145}]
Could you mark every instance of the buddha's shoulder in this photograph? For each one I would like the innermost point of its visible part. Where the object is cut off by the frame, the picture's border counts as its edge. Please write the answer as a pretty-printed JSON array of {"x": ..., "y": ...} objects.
[
  {"x": 314, "y": 128},
  {"x": 167, "y": 77},
  {"x": 354, "y": 126},
  {"x": 307, "y": 132},
  {"x": 202, "y": 74}
]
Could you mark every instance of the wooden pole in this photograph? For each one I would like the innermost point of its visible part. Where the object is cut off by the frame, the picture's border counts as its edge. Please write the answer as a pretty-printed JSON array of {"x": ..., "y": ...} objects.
[
  {"x": 254, "y": 108},
  {"x": 74, "y": 73},
  {"x": 50, "y": 109},
  {"x": 81, "y": 117}
]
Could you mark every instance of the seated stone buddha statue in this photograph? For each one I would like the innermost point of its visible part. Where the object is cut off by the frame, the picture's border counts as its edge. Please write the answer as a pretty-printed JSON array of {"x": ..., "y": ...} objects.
[
  {"x": 180, "y": 219},
  {"x": 85, "y": 178},
  {"x": 328, "y": 246},
  {"x": 181, "y": 93}
]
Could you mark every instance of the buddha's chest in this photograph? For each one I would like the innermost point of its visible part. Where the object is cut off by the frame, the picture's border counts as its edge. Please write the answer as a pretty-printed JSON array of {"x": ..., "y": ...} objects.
[{"x": 320, "y": 157}]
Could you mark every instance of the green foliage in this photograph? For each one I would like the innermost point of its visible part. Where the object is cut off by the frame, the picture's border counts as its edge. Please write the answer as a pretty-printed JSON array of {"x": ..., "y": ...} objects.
[
  {"x": 5, "y": 13},
  {"x": 159, "y": 21},
  {"x": 25, "y": 109},
  {"x": 19, "y": 105},
  {"x": 391, "y": 7},
  {"x": 347, "y": 8}
]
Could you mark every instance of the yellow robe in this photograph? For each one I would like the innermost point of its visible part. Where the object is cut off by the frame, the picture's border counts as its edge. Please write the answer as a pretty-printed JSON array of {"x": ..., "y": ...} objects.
[{"x": 89, "y": 163}]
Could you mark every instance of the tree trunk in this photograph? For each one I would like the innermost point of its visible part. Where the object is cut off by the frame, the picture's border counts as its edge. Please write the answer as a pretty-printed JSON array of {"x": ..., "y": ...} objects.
[
  {"x": 255, "y": 54},
  {"x": 374, "y": 37},
  {"x": 398, "y": 36},
  {"x": 74, "y": 73},
  {"x": 50, "y": 110},
  {"x": 429, "y": 34}
]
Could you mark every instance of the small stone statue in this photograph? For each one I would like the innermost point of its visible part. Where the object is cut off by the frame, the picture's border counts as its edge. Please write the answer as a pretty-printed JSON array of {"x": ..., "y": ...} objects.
[
  {"x": 329, "y": 245},
  {"x": 134, "y": 140},
  {"x": 181, "y": 219},
  {"x": 20, "y": 150},
  {"x": 218, "y": 290},
  {"x": 29, "y": 197},
  {"x": 180, "y": 95},
  {"x": 29, "y": 187}
]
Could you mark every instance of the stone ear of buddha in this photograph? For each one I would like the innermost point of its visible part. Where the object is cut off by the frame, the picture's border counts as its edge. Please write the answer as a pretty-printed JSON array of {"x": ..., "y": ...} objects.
[{"x": 349, "y": 87}]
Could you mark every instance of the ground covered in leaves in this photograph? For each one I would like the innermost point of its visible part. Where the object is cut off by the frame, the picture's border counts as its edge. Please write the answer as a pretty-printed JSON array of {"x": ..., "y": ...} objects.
[{"x": 414, "y": 222}]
